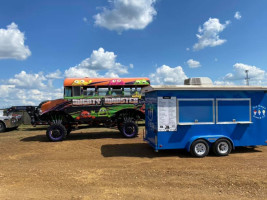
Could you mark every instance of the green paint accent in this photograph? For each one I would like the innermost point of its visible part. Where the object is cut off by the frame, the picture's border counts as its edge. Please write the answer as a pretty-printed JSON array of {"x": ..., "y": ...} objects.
[
  {"x": 103, "y": 112},
  {"x": 141, "y": 82},
  {"x": 107, "y": 111}
]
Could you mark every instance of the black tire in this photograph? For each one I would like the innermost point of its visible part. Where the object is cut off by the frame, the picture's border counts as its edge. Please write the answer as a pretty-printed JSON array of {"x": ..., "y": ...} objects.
[
  {"x": 199, "y": 148},
  {"x": 222, "y": 147},
  {"x": 56, "y": 132},
  {"x": 2, "y": 127},
  {"x": 129, "y": 129}
]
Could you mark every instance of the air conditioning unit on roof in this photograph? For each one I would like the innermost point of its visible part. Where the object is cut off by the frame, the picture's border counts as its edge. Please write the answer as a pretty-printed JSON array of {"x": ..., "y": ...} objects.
[{"x": 198, "y": 81}]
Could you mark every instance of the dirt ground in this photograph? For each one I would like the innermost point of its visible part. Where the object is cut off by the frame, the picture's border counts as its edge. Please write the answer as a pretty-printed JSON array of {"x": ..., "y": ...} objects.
[{"x": 100, "y": 164}]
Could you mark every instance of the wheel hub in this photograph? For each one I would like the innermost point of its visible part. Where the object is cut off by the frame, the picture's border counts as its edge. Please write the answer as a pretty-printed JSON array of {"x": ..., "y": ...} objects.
[
  {"x": 55, "y": 133},
  {"x": 200, "y": 148},
  {"x": 223, "y": 147},
  {"x": 129, "y": 129}
]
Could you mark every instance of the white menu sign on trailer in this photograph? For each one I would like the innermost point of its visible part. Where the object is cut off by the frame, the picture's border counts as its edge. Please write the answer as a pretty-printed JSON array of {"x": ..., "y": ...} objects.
[{"x": 167, "y": 114}]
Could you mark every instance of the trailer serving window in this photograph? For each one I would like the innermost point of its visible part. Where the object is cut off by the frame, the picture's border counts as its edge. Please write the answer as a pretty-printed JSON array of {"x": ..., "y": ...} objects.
[
  {"x": 231, "y": 111},
  {"x": 196, "y": 111}
]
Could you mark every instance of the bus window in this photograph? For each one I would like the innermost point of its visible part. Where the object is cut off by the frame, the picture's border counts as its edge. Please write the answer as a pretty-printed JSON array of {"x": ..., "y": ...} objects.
[
  {"x": 136, "y": 92},
  {"x": 91, "y": 92},
  {"x": 76, "y": 91},
  {"x": 128, "y": 92},
  {"x": 103, "y": 92},
  {"x": 139, "y": 90},
  {"x": 68, "y": 92},
  {"x": 116, "y": 92}
]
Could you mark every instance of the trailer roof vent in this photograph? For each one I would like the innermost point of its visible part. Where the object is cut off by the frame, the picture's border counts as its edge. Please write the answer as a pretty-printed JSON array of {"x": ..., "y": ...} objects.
[{"x": 198, "y": 81}]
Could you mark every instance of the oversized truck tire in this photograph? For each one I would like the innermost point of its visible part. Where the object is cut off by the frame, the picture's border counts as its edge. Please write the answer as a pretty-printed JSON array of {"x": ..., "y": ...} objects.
[
  {"x": 129, "y": 129},
  {"x": 56, "y": 132},
  {"x": 199, "y": 148},
  {"x": 222, "y": 147}
]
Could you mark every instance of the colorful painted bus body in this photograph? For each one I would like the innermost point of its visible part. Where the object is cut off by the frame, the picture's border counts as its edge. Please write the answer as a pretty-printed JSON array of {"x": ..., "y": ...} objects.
[
  {"x": 94, "y": 101},
  {"x": 200, "y": 118}
]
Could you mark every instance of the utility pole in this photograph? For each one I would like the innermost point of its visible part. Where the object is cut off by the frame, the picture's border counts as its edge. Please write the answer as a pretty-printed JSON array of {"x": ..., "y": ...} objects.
[{"x": 247, "y": 78}]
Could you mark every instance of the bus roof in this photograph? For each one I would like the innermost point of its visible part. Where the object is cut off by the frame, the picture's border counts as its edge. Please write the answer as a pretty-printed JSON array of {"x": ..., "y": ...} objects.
[{"x": 141, "y": 81}]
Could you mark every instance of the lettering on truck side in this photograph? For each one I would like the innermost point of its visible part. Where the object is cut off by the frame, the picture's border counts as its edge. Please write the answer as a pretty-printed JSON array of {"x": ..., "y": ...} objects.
[{"x": 109, "y": 101}]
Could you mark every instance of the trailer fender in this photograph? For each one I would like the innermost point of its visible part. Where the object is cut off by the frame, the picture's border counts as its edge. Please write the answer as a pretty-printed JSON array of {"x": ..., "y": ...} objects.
[{"x": 209, "y": 138}]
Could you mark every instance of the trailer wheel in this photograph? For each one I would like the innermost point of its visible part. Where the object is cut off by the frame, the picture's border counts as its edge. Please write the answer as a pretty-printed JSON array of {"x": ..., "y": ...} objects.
[
  {"x": 129, "y": 129},
  {"x": 199, "y": 148},
  {"x": 222, "y": 147},
  {"x": 2, "y": 127},
  {"x": 56, "y": 132}
]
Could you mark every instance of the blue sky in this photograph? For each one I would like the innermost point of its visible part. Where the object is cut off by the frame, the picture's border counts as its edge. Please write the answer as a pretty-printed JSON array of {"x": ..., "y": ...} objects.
[{"x": 42, "y": 42}]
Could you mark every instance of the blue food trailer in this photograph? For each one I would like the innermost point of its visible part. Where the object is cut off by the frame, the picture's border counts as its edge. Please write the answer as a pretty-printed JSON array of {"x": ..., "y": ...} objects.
[{"x": 200, "y": 118}]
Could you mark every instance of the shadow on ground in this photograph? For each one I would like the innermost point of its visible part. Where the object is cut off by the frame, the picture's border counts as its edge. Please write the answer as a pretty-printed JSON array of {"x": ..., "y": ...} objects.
[
  {"x": 34, "y": 129},
  {"x": 76, "y": 136},
  {"x": 144, "y": 150},
  {"x": 139, "y": 150},
  {"x": 245, "y": 150}
]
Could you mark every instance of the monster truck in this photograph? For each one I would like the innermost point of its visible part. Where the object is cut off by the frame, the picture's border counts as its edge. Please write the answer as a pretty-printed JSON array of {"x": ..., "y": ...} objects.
[{"x": 108, "y": 102}]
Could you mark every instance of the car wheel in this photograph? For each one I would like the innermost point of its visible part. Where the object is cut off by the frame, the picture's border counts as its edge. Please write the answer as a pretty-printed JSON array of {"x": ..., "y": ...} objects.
[{"x": 2, "y": 127}]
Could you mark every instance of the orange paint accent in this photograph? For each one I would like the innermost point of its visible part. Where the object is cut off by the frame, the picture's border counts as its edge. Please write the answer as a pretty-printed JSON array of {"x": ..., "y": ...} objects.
[
  {"x": 85, "y": 114},
  {"x": 50, "y": 104},
  {"x": 100, "y": 81}
]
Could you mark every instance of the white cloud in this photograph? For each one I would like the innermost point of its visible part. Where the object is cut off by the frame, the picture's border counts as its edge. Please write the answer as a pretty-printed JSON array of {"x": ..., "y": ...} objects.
[
  {"x": 208, "y": 35},
  {"x": 80, "y": 72},
  {"x": 16, "y": 96},
  {"x": 187, "y": 49},
  {"x": 126, "y": 14},
  {"x": 24, "y": 80},
  {"x": 256, "y": 75},
  {"x": 111, "y": 74},
  {"x": 99, "y": 61},
  {"x": 12, "y": 43},
  {"x": 28, "y": 89},
  {"x": 193, "y": 63},
  {"x": 168, "y": 75},
  {"x": 5, "y": 90},
  {"x": 238, "y": 15},
  {"x": 54, "y": 75}
]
